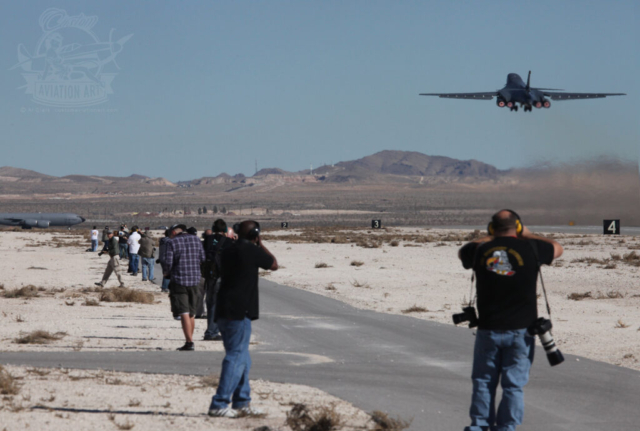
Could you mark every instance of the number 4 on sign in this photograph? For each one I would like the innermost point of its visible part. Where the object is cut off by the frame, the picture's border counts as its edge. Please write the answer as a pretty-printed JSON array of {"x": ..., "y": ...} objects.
[{"x": 611, "y": 227}]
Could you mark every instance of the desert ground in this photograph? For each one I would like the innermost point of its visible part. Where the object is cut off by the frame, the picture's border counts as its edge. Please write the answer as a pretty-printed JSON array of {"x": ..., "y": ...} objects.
[{"x": 47, "y": 284}]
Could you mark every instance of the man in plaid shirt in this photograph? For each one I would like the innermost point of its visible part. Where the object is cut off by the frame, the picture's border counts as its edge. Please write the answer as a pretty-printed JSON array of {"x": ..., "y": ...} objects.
[{"x": 183, "y": 256}]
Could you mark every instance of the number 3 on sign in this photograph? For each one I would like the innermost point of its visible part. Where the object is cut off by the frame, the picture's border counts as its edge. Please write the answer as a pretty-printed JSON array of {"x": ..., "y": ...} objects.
[
  {"x": 611, "y": 227},
  {"x": 376, "y": 224}
]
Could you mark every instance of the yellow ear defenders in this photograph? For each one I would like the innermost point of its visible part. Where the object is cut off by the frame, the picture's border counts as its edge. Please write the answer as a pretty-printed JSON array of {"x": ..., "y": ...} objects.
[{"x": 519, "y": 225}]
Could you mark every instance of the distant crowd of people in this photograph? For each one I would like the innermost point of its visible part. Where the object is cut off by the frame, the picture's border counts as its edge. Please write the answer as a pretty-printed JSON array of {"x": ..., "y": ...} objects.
[
  {"x": 218, "y": 271},
  {"x": 136, "y": 246}
]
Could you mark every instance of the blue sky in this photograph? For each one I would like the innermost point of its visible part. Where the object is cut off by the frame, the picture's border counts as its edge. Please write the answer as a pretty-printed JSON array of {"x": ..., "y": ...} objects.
[{"x": 208, "y": 87}]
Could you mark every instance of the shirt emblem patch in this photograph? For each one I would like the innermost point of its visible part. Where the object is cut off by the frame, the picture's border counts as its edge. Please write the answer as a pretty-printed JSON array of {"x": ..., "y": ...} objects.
[{"x": 499, "y": 263}]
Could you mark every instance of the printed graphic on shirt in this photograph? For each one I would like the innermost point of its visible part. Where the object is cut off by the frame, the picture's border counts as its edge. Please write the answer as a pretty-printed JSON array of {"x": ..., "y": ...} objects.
[{"x": 499, "y": 263}]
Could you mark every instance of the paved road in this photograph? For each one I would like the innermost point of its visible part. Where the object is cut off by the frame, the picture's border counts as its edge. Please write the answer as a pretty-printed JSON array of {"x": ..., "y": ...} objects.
[{"x": 408, "y": 367}]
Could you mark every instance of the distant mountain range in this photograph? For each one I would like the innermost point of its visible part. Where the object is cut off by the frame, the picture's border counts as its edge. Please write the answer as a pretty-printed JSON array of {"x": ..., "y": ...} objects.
[
  {"x": 17, "y": 175},
  {"x": 381, "y": 167}
]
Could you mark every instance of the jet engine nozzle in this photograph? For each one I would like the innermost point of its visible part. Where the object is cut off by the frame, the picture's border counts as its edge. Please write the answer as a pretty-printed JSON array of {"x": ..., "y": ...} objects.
[{"x": 546, "y": 103}]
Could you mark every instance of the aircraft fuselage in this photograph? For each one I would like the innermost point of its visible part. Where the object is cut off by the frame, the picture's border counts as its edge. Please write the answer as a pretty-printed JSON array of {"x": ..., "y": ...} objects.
[{"x": 40, "y": 220}]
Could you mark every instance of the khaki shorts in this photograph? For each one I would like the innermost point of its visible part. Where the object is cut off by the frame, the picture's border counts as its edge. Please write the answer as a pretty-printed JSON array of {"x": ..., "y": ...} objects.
[{"x": 184, "y": 299}]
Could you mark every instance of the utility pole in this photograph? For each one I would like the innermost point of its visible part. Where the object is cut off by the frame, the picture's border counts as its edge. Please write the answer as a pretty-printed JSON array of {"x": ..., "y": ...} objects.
[{"x": 256, "y": 166}]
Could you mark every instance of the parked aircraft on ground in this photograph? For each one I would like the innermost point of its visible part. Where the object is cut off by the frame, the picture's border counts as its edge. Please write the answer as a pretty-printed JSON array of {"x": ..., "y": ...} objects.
[{"x": 41, "y": 220}]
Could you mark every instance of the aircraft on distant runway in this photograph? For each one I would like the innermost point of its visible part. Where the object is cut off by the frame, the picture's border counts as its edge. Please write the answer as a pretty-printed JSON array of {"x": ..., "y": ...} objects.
[
  {"x": 517, "y": 92},
  {"x": 41, "y": 220}
]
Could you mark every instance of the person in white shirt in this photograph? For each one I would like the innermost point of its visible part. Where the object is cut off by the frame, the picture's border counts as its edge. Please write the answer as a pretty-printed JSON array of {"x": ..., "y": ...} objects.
[
  {"x": 94, "y": 239},
  {"x": 134, "y": 246}
]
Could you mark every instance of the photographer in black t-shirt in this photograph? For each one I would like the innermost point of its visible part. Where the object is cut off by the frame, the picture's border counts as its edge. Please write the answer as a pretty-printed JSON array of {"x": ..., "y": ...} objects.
[
  {"x": 506, "y": 266},
  {"x": 236, "y": 306}
]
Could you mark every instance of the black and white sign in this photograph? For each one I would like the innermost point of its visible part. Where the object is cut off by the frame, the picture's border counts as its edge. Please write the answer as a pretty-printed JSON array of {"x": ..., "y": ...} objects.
[
  {"x": 284, "y": 225},
  {"x": 376, "y": 224},
  {"x": 611, "y": 227}
]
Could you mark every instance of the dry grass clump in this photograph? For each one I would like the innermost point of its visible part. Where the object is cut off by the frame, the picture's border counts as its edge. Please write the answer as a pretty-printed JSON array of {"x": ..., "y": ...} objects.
[
  {"x": 321, "y": 265},
  {"x": 383, "y": 422},
  {"x": 589, "y": 260},
  {"x": 29, "y": 291},
  {"x": 124, "y": 294},
  {"x": 91, "y": 302},
  {"x": 330, "y": 286},
  {"x": 301, "y": 418},
  {"x": 621, "y": 325},
  {"x": 415, "y": 309},
  {"x": 356, "y": 263},
  {"x": 579, "y": 296},
  {"x": 612, "y": 294},
  {"x": 394, "y": 243},
  {"x": 356, "y": 283},
  {"x": 39, "y": 337},
  {"x": 8, "y": 384}
]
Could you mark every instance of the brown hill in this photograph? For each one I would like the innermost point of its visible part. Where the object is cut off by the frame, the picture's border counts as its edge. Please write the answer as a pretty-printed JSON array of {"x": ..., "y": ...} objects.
[{"x": 407, "y": 164}]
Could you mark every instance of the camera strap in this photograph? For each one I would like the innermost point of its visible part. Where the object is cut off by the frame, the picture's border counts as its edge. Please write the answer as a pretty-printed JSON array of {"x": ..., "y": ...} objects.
[
  {"x": 539, "y": 274},
  {"x": 472, "y": 295}
]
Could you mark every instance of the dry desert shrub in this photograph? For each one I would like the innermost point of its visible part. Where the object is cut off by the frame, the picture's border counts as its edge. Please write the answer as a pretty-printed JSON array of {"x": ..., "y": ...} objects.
[
  {"x": 621, "y": 325},
  {"x": 8, "y": 384},
  {"x": 321, "y": 265},
  {"x": 40, "y": 337},
  {"x": 579, "y": 296},
  {"x": 356, "y": 283},
  {"x": 612, "y": 294},
  {"x": 632, "y": 258},
  {"x": 415, "y": 309},
  {"x": 330, "y": 286},
  {"x": 91, "y": 302},
  {"x": 394, "y": 243},
  {"x": 591, "y": 260},
  {"x": 29, "y": 291},
  {"x": 383, "y": 422},
  {"x": 301, "y": 418},
  {"x": 356, "y": 263},
  {"x": 124, "y": 294}
]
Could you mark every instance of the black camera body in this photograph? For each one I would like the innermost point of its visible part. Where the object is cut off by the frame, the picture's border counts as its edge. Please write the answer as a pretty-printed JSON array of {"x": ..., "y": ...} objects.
[
  {"x": 468, "y": 315},
  {"x": 542, "y": 328}
]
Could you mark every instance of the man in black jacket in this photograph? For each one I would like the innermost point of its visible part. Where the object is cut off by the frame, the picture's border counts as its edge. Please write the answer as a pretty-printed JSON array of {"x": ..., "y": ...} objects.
[
  {"x": 213, "y": 246},
  {"x": 237, "y": 306}
]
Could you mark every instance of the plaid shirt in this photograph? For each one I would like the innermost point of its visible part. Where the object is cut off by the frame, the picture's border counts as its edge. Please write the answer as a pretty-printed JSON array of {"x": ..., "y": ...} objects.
[{"x": 183, "y": 257}]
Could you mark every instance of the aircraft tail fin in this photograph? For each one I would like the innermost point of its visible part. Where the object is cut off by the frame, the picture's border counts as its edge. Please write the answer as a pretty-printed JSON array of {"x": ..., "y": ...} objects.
[{"x": 529, "y": 81}]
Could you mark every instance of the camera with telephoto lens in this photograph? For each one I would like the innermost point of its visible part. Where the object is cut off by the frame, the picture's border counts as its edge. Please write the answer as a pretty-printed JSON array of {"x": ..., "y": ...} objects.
[
  {"x": 468, "y": 315},
  {"x": 542, "y": 328}
]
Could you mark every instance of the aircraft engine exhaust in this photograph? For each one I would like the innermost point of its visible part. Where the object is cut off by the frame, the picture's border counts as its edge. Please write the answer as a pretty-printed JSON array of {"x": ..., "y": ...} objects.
[
  {"x": 538, "y": 105},
  {"x": 547, "y": 104}
]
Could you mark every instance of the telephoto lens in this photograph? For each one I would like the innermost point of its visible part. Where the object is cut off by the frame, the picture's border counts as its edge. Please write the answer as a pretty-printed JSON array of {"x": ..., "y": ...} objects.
[{"x": 542, "y": 328}]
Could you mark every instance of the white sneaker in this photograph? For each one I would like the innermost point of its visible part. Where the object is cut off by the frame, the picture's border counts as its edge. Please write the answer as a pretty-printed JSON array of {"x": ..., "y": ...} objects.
[
  {"x": 227, "y": 412},
  {"x": 250, "y": 411}
]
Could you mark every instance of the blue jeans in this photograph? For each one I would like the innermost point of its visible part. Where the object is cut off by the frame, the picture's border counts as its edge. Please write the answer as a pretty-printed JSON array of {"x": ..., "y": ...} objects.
[
  {"x": 504, "y": 356},
  {"x": 94, "y": 245},
  {"x": 165, "y": 284},
  {"x": 134, "y": 260},
  {"x": 234, "y": 378},
  {"x": 147, "y": 268},
  {"x": 211, "y": 289},
  {"x": 124, "y": 251}
]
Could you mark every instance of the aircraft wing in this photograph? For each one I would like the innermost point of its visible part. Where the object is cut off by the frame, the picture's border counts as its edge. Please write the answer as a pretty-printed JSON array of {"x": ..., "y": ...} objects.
[
  {"x": 578, "y": 96},
  {"x": 472, "y": 96}
]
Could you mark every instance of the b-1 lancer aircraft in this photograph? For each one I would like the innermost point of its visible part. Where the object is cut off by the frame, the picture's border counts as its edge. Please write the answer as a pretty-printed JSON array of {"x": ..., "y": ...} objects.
[
  {"x": 517, "y": 92},
  {"x": 41, "y": 220}
]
